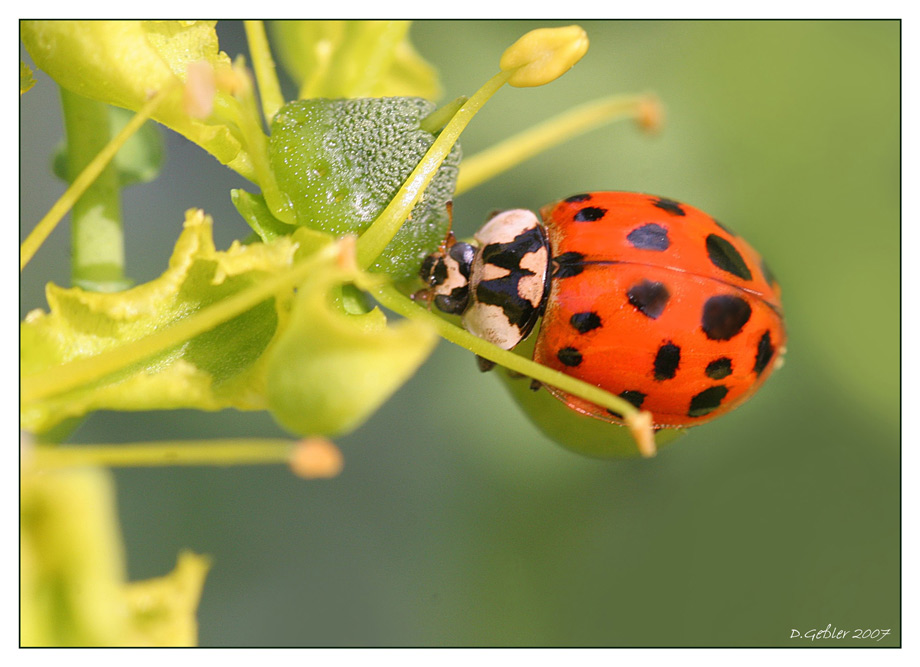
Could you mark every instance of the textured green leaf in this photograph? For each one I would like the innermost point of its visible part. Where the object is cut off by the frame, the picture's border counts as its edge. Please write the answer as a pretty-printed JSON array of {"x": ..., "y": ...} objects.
[
  {"x": 353, "y": 59},
  {"x": 217, "y": 369},
  {"x": 342, "y": 161}
]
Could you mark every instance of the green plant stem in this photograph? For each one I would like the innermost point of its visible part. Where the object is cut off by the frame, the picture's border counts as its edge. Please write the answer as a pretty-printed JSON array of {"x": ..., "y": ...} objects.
[
  {"x": 256, "y": 144},
  {"x": 264, "y": 66},
  {"x": 97, "y": 238},
  {"x": 437, "y": 119},
  {"x": 86, "y": 178},
  {"x": 379, "y": 234},
  {"x": 514, "y": 150},
  {"x": 166, "y": 453},
  {"x": 388, "y": 296}
]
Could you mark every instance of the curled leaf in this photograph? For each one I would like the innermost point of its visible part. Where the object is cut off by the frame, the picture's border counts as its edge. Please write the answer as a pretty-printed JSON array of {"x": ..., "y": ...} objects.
[
  {"x": 217, "y": 369},
  {"x": 330, "y": 368}
]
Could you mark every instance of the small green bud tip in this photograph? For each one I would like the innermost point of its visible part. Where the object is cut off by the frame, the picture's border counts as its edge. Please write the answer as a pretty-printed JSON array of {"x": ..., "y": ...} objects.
[{"x": 544, "y": 55}]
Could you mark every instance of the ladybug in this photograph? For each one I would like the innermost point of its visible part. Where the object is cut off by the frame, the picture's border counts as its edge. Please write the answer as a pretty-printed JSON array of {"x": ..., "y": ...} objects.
[{"x": 642, "y": 296}]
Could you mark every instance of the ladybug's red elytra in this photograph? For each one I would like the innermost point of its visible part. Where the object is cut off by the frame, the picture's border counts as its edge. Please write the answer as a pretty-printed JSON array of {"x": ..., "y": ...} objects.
[{"x": 642, "y": 296}]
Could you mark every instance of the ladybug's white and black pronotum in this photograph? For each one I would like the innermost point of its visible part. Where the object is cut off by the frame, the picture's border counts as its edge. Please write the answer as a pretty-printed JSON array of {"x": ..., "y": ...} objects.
[{"x": 645, "y": 297}]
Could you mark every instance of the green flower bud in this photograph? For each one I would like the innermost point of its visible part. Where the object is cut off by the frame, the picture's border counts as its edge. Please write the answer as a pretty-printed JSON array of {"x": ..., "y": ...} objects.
[{"x": 544, "y": 55}]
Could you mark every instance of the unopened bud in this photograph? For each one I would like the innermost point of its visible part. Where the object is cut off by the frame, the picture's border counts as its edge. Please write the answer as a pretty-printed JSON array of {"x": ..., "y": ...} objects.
[{"x": 544, "y": 55}]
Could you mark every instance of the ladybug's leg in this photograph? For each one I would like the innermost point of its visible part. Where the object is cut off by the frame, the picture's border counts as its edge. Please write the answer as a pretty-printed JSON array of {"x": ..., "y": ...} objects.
[{"x": 485, "y": 365}]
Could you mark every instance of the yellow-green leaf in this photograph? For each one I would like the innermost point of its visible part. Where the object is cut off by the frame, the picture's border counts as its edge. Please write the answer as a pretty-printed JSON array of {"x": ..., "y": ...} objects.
[
  {"x": 26, "y": 80},
  {"x": 72, "y": 561},
  {"x": 123, "y": 62},
  {"x": 163, "y": 609},
  {"x": 353, "y": 59},
  {"x": 72, "y": 576},
  {"x": 217, "y": 369}
]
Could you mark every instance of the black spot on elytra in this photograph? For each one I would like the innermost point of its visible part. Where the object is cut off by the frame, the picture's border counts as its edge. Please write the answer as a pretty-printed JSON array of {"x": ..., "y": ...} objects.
[
  {"x": 649, "y": 237},
  {"x": 634, "y": 397},
  {"x": 569, "y": 356},
  {"x": 568, "y": 264},
  {"x": 706, "y": 401},
  {"x": 765, "y": 352},
  {"x": 724, "y": 316},
  {"x": 574, "y": 199},
  {"x": 590, "y": 214},
  {"x": 719, "y": 369},
  {"x": 649, "y": 298},
  {"x": 504, "y": 292},
  {"x": 725, "y": 256},
  {"x": 668, "y": 205},
  {"x": 585, "y": 322},
  {"x": 667, "y": 360}
]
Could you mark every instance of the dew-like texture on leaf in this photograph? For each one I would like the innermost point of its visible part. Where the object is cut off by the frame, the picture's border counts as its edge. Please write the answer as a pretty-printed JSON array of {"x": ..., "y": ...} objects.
[{"x": 341, "y": 162}]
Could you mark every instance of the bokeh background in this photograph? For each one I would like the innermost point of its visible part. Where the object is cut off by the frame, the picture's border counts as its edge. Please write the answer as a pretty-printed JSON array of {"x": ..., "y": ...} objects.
[{"x": 455, "y": 522}]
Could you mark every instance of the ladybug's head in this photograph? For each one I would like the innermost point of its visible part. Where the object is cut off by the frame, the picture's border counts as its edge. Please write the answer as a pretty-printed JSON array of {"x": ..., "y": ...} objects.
[{"x": 447, "y": 275}]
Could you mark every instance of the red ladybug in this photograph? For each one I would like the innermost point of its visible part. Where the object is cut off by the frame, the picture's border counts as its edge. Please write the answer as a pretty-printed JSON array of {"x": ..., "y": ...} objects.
[{"x": 645, "y": 297}]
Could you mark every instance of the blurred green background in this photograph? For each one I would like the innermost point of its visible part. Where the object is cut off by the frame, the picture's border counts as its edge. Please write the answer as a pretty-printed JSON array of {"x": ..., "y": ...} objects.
[{"x": 455, "y": 522}]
